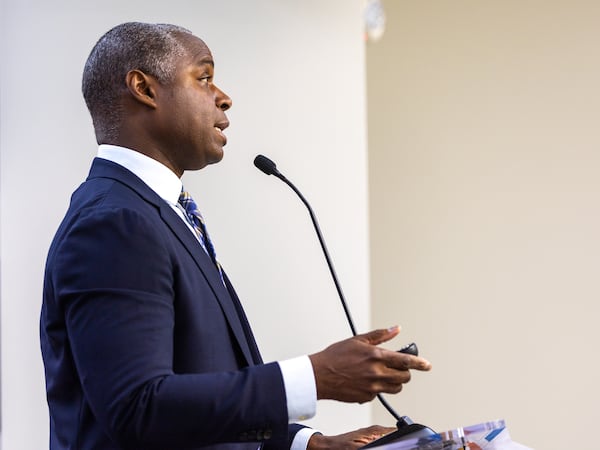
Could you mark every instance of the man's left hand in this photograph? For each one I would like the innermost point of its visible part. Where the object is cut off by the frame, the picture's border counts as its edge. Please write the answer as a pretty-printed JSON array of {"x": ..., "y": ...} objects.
[{"x": 348, "y": 441}]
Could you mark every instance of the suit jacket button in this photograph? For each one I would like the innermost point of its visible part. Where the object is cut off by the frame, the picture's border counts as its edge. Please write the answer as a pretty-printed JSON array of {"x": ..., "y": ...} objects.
[{"x": 267, "y": 435}]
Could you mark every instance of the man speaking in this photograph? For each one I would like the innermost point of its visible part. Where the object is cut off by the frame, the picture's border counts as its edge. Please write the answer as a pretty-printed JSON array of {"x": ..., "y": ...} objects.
[{"x": 144, "y": 340}]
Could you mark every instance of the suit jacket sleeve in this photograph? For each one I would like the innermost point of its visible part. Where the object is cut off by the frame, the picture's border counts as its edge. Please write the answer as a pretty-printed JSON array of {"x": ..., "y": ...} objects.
[
  {"x": 293, "y": 429},
  {"x": 116, "y": 277}
]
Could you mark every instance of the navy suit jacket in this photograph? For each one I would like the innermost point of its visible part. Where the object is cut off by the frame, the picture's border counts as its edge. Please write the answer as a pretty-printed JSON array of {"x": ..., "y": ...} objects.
[{"x": 143, "y": 345}]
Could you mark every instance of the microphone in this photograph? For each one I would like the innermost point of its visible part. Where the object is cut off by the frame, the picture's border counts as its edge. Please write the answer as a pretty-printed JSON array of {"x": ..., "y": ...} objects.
[
  {"x": 267, "y": 166},
  {"x": 270, "y": 168},
  {"x": 406, "y": 428}
]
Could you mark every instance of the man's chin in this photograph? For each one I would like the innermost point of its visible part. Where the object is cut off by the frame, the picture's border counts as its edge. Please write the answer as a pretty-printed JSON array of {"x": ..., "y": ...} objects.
[
  {"x": 212, "y": 158},
  {"x": 216, "y": 157}
]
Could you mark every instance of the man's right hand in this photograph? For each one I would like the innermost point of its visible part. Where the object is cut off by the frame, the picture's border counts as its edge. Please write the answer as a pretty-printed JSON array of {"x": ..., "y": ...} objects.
[{"x": 356, "y": 369}]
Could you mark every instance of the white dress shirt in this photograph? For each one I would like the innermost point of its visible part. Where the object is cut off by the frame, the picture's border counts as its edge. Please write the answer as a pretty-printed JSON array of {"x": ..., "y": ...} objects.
[{"x": 297, "y": 373}]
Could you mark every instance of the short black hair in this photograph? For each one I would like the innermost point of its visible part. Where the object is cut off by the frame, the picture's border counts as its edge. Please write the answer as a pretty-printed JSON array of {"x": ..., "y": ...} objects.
[{"x": 151, "y": 48}]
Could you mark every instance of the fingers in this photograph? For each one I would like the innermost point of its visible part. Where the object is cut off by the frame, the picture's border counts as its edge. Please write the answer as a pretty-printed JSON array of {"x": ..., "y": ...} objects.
[
  {"x": 377, "y": 337},
  {"x": 375, "y": 432},
  {"x": 395, "y": 360},
  {"x": 352, "y": 440},
  {"x": 357, "y": 369},
  {"x": 394, "y": 372},
  {"x": 403, "y": 361},
  {"x": 366, "y": 435}
]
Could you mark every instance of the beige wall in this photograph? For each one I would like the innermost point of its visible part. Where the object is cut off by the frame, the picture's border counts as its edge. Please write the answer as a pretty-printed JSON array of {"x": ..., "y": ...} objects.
[{"x": 485, "y": 210}]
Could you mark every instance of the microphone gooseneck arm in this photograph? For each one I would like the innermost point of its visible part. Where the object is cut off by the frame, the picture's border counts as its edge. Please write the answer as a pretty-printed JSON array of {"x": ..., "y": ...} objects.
[
  {"x": 268, "y": 167},
  {"x": 313, "y": 217}
]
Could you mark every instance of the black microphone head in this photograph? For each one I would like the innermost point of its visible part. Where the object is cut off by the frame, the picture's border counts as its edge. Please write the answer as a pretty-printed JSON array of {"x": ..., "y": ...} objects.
[{"x": 266, "y": 165}]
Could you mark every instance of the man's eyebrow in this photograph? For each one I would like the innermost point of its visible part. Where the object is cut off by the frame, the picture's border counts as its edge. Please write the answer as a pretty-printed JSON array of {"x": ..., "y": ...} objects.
[{"x": 205, "y": 61}]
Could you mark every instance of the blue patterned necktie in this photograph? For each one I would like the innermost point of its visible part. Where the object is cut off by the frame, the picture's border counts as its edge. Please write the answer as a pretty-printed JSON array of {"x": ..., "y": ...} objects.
[{"x": 197, "y": 222}]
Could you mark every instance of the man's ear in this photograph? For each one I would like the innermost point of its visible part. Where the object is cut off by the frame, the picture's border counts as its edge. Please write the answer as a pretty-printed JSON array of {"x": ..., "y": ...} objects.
[{"x": 142, "y": 87}]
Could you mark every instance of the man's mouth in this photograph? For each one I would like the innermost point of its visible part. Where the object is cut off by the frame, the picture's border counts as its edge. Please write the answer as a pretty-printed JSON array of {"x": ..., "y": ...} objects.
[{"x": 219, "y": 130}]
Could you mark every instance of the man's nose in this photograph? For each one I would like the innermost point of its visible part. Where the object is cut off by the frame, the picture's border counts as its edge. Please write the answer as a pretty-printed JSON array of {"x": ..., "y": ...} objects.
[{"x": 223, "y": 100}]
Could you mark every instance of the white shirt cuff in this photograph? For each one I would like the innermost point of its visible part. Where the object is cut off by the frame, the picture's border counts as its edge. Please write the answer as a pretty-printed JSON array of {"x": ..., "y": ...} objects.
[
  {"x": 300, "y": 388},
  {"x": 301, "y": 439}
]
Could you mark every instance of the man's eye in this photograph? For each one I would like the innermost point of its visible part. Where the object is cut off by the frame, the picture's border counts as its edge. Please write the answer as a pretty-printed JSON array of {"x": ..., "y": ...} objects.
[{"x": 206, "y": 78}]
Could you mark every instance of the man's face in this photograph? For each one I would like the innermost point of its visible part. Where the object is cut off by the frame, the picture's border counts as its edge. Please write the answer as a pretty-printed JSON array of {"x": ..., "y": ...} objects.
[{"x": 191, "y": 112}]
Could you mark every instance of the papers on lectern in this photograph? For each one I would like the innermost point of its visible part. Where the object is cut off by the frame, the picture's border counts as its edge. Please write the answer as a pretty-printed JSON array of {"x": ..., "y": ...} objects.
[{"x": 484, "y": 436}]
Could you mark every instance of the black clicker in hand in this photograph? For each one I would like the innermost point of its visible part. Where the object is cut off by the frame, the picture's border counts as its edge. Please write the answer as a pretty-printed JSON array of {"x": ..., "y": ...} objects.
[{"x": 410, "y": 349}]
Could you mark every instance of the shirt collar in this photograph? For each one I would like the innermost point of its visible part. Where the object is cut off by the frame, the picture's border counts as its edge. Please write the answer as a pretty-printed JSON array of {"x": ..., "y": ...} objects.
[{"x": 156, "y": 175}]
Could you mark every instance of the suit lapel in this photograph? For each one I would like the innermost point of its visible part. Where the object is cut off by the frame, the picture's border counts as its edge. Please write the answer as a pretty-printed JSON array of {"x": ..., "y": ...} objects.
[
  {"x": 237, "y": 320},
  {"x": 257, "y": 358},
  {"x": 211, "y": 274}
]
